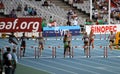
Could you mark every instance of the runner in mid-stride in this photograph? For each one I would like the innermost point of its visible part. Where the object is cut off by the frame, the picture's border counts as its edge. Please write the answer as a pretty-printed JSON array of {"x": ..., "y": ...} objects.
[
  {"x": 111, "y": 38},
  {"x": 86, "y": 42},
  {"x": 66, "y": 46},
  {"x": 91, "y": 39},
  {"x": 23, "y": 43},
  {"x": 13, "y": 38},
  {"x": 40, "y": 43}
]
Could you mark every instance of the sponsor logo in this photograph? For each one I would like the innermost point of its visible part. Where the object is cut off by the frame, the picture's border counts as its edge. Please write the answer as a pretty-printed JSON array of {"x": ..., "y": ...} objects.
[
  {"x": 20, "y": 25},
  {"x": 104, "y": 29},
  {"x": 61, "y": 31}
]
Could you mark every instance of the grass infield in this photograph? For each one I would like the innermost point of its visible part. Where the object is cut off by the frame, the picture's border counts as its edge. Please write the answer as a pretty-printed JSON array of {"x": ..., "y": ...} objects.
[{"x": 21, "y": 69}]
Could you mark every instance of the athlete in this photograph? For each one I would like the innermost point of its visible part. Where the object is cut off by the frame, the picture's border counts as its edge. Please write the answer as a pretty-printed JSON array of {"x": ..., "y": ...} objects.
[
  {"x": 13, "y": 39},
  {"x": 69, "y": 36},
  {"x": 111, "y": 38},
  {"x": 66, "y": 46},
  {"x": 91, "y": 39},
  {"x": 86, "y": 42},
  {"x": 23, "y": 43},
  {"x": 40, "y": 43}
]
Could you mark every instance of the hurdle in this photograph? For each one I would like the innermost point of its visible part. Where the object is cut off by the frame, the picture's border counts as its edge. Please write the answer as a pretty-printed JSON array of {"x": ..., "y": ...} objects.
[
  {"x": 72, "y": 52},
  {"x": 20, "y": 54},
  {"x": 105, "y": 51},
  {"x": 46, "y": 36},
  {"x": 53, "y": 49},
  {"x": 20, "y": 51},
  {"x": 38, "y": 52},
  {"x": 88, "y": 53},
  {"x": 35, "y": 52},
  {"x": 53, "y": 52}
]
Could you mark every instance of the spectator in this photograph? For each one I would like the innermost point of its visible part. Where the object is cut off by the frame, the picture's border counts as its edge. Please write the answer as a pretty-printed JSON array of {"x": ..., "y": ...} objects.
[
  {"x": 69, "y": 14},
  {"x": 75, "y": 22},
  {"x": 13, "y": 14},
  {"x": 34, "y": 12},
  {"x": 50, "y": 19},
  {"x": 29, "y": 11},
  {"x": 68, "y": 23},
  {"x": 45, "y": 3},
  {"x": 75, "y": 1},
  {"x": 44, "y": 23},
  {"x": 100, "y": 20},
  {"x": 1, "y": 5},
  {"x": 95, "y": 14},
  {"x": 49, "y": 2},
  {"x": 14, "y": 60},
  {"x": 88, "y": 22},
  {"x": 26, "y": 8},
  {"x": 1, "y": 61},
  {"x": 74, "y": 15},
  {"x": 7, "y": 57},
  {"x": 70, "y": 2},
  {"x": 80, "y": 1},
  {"x": 25, "y": 13},
  {"x": 105, "y": 22},
  {"x": 118, "y": 16},
  {"x": 19, "y": 8},
  {"x": 52, "y": 24}
]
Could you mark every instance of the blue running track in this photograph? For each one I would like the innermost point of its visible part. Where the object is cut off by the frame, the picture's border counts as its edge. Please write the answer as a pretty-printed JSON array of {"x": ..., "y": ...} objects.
[{"x": 79, "y": 64}]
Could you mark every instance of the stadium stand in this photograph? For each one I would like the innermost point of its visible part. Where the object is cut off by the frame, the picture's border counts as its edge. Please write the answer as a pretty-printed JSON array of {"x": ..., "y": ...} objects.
[
  {"x": 100, "y": 9},
  {"x": 59, "y": 11},
  {"x": 59, "y": 14}
]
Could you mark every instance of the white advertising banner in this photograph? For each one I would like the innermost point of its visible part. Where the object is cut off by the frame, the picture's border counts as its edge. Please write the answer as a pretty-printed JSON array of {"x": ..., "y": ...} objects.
[{"x": 103, "y": 29}]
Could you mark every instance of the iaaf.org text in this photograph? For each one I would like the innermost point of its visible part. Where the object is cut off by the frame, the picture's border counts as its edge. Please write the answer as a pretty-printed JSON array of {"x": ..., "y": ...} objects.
[{"x": 20, "y": 25}]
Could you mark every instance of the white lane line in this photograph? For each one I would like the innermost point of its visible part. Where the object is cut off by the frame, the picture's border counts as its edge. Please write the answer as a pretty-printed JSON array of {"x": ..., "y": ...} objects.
[
  {"x": 75, "y": 57},
  {"x": 71, "y": 66},
  {"x": 102, "y": 65},
  {"x": 87, "y": 66},
  {"x": 110, "y": 62},
  {"x": 70, "y": 72},
  {"x": 94, "y": 67}
]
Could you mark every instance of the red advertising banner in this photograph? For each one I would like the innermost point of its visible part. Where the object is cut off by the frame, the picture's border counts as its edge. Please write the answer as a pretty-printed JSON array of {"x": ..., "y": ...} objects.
[{"x": 20, "y": 24}]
